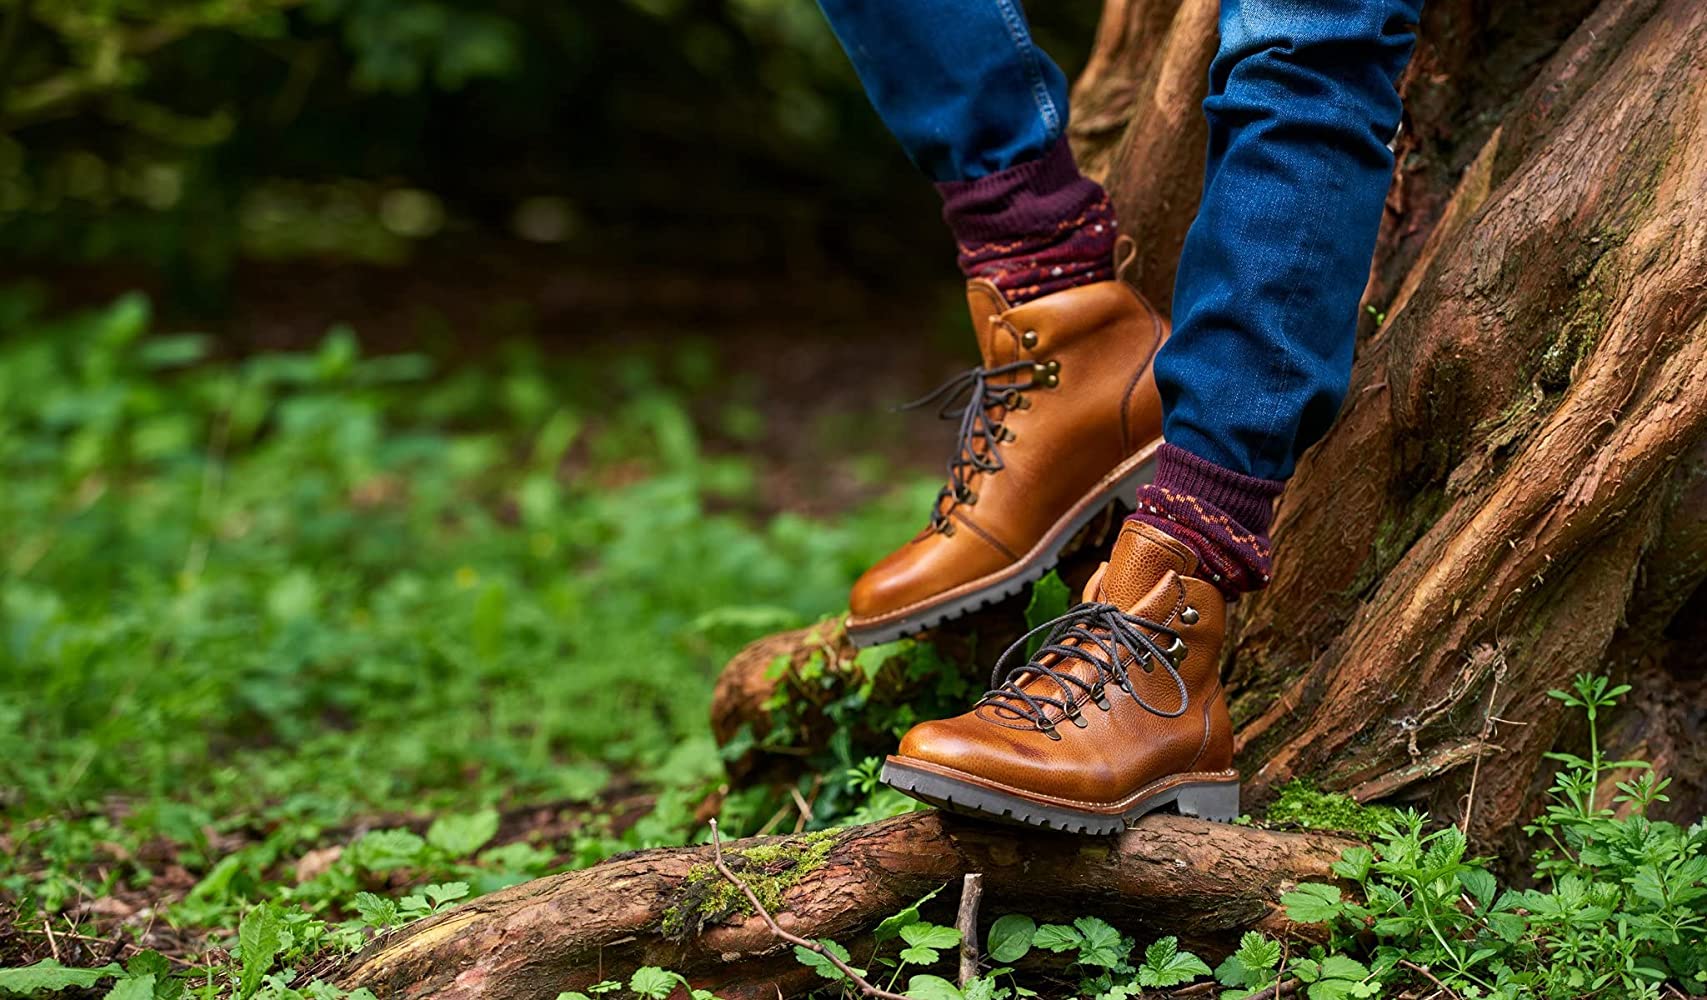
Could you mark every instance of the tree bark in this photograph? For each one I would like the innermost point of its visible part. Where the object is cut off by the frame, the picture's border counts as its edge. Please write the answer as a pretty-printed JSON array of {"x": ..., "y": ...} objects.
[{"x": 1169, "y": 875}]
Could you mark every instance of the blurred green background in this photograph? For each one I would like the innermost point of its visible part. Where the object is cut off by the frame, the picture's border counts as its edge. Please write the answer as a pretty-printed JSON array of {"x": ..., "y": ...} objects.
[{"x": 572, "y": 154}]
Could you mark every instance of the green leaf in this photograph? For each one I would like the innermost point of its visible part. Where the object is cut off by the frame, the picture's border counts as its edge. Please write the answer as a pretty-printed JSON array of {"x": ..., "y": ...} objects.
[
  {"x": 926, "y": 935},
  {"x": 1049, "y": 600},
  {"x": 891, "y": 926},
  {"x": 1480, "y": 884},
  {"x": 1342, "y": 967},
  {"x": 383, "y": 850},
  {"x": 1010, "y": 937},
  {"x": 823, "y": 966},
  {"x": 1165, "y": 965},
  {"x": 259, "y": 939},
  {"x": 653, "y": 983},
  {"x": 932, "y": 988},
  {"x": 133, "y": 988},
  {"x": 1102, "y": 945},
  {"x": 48, "y": 974},
  {"x": 461, "y": 836},
  {"x": 980, "y": 988},
  {"x": 1057, "y": 938},
  {"x": 375, "y": 910},
  {"x": 448, "y": 892},
  {"x": 1312, "y": 903}
]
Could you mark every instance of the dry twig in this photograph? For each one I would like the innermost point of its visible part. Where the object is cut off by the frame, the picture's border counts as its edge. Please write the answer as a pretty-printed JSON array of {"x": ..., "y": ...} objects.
[
  {"x": 777, "y": 932},
  {"x": 971, "y": 893}
]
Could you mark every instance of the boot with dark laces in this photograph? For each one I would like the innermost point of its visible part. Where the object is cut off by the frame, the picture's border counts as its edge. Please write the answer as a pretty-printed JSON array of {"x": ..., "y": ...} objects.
[
  {"x": 1110, "y": 641},
  {"x": 979, "y": 403}
]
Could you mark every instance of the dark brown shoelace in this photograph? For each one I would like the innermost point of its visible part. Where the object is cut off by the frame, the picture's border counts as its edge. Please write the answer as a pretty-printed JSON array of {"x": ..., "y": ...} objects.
[
  {"x": 1102, "y": 635},
  {"x": 976, "y": 427}
]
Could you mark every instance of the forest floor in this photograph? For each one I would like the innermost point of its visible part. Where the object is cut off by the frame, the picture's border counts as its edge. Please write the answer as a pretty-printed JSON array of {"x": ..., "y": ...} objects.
[{"x": 294, "y": 616}]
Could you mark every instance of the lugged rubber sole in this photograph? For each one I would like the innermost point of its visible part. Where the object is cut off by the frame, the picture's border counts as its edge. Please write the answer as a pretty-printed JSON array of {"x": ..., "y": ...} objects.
[
  {"x": 1119, "y": 487},
  {"x": 1209, "y": 796}
]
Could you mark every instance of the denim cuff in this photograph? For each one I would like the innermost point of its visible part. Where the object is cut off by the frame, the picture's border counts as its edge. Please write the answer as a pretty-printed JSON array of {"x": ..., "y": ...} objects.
[{"x": 1019, "y": 201}]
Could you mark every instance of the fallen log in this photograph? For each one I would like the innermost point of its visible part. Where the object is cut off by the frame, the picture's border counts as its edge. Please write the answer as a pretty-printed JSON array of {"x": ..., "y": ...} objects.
[{"x": 1203, "y": 881}]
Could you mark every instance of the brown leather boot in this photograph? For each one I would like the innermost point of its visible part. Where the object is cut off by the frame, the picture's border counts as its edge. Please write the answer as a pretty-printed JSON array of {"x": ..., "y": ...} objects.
[
  {"x": 1062, "y": 418},
  {"x": 1119, "y": 713}
]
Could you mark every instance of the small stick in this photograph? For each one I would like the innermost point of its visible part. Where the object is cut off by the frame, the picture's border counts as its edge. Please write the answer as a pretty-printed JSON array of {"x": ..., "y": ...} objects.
[
  {"x": 1419, "y": 970},
  {"x": 52, "y": 942},
  {"x": 804, "y": 806},
  {"x": 971, "y": 893},
  {"x": 782, "y": 935},
  {"x": 1281, "y": 989}
]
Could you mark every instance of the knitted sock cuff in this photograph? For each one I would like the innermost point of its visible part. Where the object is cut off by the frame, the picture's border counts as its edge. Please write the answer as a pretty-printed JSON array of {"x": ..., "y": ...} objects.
[
  {"x": 1222, "y": 515},
  {"x": 1020, "y": 201}
]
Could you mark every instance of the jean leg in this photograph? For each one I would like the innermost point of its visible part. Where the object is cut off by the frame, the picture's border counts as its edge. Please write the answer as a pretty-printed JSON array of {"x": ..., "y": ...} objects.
[
  {"x": 960, "y": 82},
  {"x": 1302, "y": 104}
]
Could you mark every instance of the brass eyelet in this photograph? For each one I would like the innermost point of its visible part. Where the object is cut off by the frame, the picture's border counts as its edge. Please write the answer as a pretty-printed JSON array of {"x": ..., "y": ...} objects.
[
  {"x": 1029, "y": 338},
  {"x": 967, "y": 497},
  {"x": 1177, "y": 652},
  {"x": 1189, "y": 616},
  {"x": 1052, "y": 380},
  {"x": 947, "y": 529},
  {"x": 1053, "y": 368},
  {"x": 1079, "y": 720},
  {"x": 1008, "y": 435},
  {"x": 1100, "y": 698},
  {"x": 1049, "y": 730}
]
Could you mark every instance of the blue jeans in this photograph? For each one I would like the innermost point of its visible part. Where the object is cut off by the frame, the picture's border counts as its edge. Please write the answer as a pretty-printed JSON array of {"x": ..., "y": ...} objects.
[{"x": 1302, "y": 103}]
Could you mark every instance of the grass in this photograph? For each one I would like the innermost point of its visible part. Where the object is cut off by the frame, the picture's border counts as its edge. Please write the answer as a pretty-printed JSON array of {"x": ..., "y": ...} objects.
[{"x": 297, "y": 628}]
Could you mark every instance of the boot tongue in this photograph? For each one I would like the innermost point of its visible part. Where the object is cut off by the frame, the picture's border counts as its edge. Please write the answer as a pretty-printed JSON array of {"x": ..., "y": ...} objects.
[
  {"x": 1142, "y": 556},
  {"x": 996, "y": 343}
]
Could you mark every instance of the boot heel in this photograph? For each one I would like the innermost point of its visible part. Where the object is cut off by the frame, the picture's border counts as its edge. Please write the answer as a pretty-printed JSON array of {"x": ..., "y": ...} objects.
[{"x": 1218, "y": 802}]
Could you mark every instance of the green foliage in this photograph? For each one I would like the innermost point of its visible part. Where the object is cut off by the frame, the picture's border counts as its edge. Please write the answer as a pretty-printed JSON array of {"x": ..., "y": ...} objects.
[
  {"x": 1620, "y": 908},
  {"x": 247, "y": 605}
]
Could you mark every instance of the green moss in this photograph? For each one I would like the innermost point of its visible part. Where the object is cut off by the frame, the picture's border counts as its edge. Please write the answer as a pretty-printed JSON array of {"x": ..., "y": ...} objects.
[
  {"x": 770, "y": 870},
  {"x": 1575, "y": 339},
  {"x": 1309, "y": 808}
]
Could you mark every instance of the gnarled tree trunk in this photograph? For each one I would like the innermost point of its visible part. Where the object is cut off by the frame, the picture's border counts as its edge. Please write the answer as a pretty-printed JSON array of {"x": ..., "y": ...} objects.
[{"x": 1515, "y": 492}]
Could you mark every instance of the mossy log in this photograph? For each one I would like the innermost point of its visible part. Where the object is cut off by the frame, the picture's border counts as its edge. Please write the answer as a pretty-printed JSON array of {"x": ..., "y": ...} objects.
[{"x": 670, "y": 908}]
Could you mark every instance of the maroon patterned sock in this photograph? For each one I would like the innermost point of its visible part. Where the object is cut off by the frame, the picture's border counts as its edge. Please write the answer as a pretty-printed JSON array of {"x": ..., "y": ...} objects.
[
  {"x": 1223, "y": 515},
  {"x": 1032, "y": 229}
]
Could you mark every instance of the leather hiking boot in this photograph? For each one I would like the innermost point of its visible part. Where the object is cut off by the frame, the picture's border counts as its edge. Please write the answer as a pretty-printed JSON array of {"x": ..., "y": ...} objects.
[
  {"x": 1062, "y": 418},
  {"x": 1120, "y": 711}
]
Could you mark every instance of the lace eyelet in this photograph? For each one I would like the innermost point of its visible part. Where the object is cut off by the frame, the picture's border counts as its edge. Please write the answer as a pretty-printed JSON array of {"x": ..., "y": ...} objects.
[
  {"x": 1189, "y": 616},
  {"x": 1099, "y": 698},
  {"x": 1029, "y": 338},
  {"x": 1177, "y": 652},
  {"x": 1049, "y": 730},
  {"x": 1079, "y": 719},
  {"x": 947, "y": 529}
]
